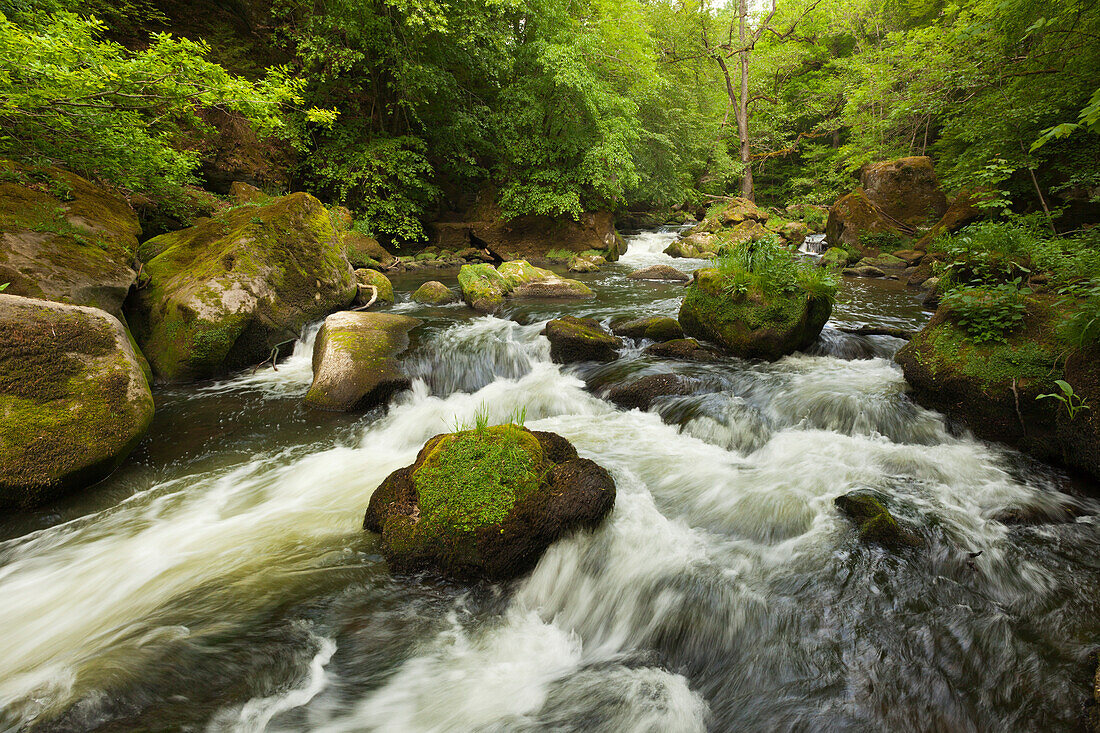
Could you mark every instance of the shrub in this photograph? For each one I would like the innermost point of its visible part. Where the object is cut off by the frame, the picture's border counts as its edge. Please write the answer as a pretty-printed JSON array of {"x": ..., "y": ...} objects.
[
  {"x": 883, "y": 241},
  {"x": 769, "y": 267},
  {"x": 988, "y": 312}
]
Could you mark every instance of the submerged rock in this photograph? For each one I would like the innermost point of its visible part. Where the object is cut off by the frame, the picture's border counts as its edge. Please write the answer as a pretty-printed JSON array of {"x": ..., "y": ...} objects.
[
  {"x": 223, "y": 293},
  {"x": 684, "y": 348},
  {"x": 487, "y": 503},
  {"x": 655, "y": 328},
  {"x": 580, "y": 339},
  {"x": 874, "y": 521},
  {"x": 751, "y": 325},
  {"x": 641, "y": 392},
  {"x": 660, "y": 272},
  {"x": 65, "y": 239},
  {"x": 583, "y": 263},
  {"x": 74, "y": 400},
  {"x": 434, "y": 292},
  {"x": 354, "y": 364}
]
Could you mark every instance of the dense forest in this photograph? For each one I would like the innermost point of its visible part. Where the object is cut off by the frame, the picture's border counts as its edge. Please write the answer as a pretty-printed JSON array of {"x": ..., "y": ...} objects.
[
  {"x": 549, "y": 365},
  {"x": 396, "y": 108}
]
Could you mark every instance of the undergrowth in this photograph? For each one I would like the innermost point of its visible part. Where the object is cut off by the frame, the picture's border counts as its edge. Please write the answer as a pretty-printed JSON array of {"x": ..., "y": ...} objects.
[{"x": 768, "y": 266}]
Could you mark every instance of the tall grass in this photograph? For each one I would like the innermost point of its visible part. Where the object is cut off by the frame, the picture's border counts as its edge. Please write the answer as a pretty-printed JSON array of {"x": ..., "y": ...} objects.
[{"x": 768, "y": 266}]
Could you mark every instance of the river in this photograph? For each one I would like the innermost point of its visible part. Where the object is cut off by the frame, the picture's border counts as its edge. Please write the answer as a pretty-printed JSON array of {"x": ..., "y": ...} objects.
[{"x": 221, "y": 581}]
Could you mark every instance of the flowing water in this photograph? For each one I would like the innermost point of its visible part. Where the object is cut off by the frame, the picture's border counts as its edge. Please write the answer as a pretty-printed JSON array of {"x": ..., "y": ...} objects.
[{"x": 221, "y": 581}]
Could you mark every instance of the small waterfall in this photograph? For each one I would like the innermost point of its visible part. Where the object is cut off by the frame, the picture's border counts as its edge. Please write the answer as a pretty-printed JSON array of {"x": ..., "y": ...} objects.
[{"x": 813, "y": 244}]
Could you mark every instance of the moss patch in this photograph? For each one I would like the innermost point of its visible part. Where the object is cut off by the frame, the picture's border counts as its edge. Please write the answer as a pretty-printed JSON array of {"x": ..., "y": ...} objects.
[{"x": 474, "y": 478}]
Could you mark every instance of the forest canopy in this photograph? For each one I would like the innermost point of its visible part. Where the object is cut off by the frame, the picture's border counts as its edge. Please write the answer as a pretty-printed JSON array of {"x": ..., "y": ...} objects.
[{"x": 397, "y": 107}]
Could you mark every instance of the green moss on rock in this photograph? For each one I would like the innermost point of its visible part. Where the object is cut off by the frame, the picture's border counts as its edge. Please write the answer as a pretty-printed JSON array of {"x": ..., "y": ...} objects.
[
  {"x": 365, "y": 277},
  {"x": 222, "y": 294},
  {"x": 751, "y": 325},
  {"x": 486, "y": 503},
  {"x": 73, "y": 399},
  {"x": 434, "y": 292}
]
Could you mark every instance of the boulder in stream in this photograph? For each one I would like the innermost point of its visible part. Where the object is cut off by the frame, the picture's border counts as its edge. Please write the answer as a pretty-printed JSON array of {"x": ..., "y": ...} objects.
[
  {"x": 751, "y": 323},
  {"x": 74, "y": 400},
  {"x": 655, "y": 328},
  {"x": 224, "y": 293},
  {"x": 382, "y": 287},
  {"x": 485, "y": 288},
  {"x": 354, "y": 360},
  {"x": 687, "y": 349},
  {"x": 660, "y": 272},
  {"x": 640, "y": 393},
  {"x": 580, "y": 339},
  {"x": 874, "y": 521},
  {"x": 434, "y": 292},
  {"x": 486, "y": 503}
]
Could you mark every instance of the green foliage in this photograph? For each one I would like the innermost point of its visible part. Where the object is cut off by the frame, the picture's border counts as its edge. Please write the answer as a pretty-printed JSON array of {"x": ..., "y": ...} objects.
[
  {"x": 768, "y": 266},
  {"x": 1073, "y": 402},
  {"x": 68, "y": 96},
  {"x": 989, "y": 312},
  {"x": 884, "y": 241}
]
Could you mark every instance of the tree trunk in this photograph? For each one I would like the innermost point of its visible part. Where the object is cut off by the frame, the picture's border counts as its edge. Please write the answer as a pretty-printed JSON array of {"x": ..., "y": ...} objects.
[{"x": 742, "y": 111}]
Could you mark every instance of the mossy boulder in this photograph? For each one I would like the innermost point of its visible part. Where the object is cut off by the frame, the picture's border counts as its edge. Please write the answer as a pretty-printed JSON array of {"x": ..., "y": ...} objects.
[
  {"x": 794, "y": 233},
  {"x": 354, "y": 360},
  {"x": 906, "y": 190},
  {"x": 641, "y": 393},
  {"x": 992, "y": 387},
  {"x": 837, "y": 257},
  {"x": 246, "y": 193},
  {"x": 580, "y": 339},
  {"x": 485, "y": 288},
  {"x": 364, "y": 251},
  {"x": 487, "y": 503},
  {"x": 655, "y": 328},
  {"x": 864, "y": 271},
  {"x": 74, "y": 400},
  {"x": 874, "y": 522},
  {"x": 365, "y": 279},
  {"x": 883, "y": 262},
  {"x": 747, "y": 231},
  {"x": 586, "y": 263},
  {"x": 434, "y": 292},
  {"x": 65, "y": 239},
  {"x": 225, "y": 292},
  {"x": 667, "y": 273},
  {"x": 754, "y": 324},
  {"x": 895, "y": 197}
]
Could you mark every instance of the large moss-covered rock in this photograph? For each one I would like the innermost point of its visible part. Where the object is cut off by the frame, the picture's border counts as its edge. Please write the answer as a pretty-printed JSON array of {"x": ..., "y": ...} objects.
[
  {"x": 895, "y": 197},
  {"x": 992, "y": 387},
  {"x": 222, "y": 294},
  {"x": 580, "y": 339},
  {"x": 487, "y": 503},
  {"x": 483, "y": 288},
  {"x": 364, "y": 251},
  {"x": 906, "y": 190},
  {"x": 73, "y": 398},
  {"x": 354, "y": 360},
  {"x": 686, "y": 349},
  {"x": 65, "y": 239},
  {"x": 751, "y": 325}
]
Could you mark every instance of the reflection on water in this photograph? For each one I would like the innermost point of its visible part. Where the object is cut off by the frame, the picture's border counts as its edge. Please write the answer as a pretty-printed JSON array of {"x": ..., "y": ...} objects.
[{"x": 221, "y": 581}]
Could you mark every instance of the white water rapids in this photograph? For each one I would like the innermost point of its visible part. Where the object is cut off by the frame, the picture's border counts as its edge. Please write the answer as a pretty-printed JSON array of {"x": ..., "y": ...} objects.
[{"x": 724, "y": 592}]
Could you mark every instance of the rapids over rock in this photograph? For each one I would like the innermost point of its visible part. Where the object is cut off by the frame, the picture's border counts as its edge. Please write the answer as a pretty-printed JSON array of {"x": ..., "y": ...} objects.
[{"x": 221, "y": 581}]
